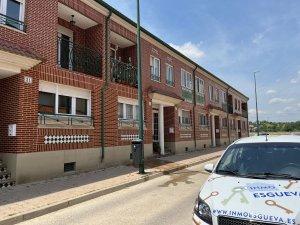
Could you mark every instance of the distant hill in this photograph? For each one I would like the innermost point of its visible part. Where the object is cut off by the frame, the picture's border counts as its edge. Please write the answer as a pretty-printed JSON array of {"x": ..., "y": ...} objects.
[{"x": 267, "y": 126}]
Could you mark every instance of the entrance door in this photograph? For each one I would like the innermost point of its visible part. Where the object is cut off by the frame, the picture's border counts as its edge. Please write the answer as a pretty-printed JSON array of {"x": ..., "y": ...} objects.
[
  {"x": 217, "y": 130},
  {"x": 239, "y": 129},
  {"x": 156, "y": 148}
]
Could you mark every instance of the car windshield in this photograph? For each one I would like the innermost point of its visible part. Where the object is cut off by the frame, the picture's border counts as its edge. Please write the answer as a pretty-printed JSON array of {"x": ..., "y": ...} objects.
[{"x": 262, "y": 161}]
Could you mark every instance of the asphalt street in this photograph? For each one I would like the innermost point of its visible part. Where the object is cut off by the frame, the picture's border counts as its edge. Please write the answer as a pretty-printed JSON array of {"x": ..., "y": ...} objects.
[{"x": 167, "y": 200}]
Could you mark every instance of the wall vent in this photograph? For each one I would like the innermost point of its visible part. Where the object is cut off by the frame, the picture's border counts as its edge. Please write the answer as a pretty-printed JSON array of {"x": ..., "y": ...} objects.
[{"x": 69, "y": 167}]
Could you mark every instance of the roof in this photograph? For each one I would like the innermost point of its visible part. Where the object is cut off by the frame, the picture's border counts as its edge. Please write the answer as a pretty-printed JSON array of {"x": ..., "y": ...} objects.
[
  {"x": 14, "y": 48},
  {"x": 271, "y": 138},
  {"x": 164, "y": 92},
  {"x": 116, "y": 12}
]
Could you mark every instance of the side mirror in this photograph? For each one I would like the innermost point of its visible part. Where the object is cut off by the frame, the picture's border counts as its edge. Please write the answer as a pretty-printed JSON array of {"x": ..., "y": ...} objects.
[{"x": 209, "y": 167}]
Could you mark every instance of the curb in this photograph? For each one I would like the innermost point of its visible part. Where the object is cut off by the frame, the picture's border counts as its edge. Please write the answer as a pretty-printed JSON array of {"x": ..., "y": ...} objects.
[{"x": 95, "y": 194}]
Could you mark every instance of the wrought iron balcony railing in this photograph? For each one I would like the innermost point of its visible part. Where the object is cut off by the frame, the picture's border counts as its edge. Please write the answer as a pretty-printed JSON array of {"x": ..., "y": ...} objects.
[
  {"x": 187, "y": 94},
  {"x": 66, "y": 120},
  {"x": 200, "y": 99},
  {"x": 123, "y": 73},
  {"x": 224, "y": 107},
  {"x": 245, "y": 113},
  {"x": 78, "y": 58},
  {"x": 170, "y": 82},
  {"x": 230, "y": 108},
  {"x": 11, "y": 22}
]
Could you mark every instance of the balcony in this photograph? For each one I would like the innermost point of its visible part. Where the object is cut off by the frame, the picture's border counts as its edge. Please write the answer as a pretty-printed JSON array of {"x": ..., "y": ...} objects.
[
  {"x": 225, "y": 107},
  {"x": 11, "y": 22},
  {"x": 123, "y": 73},
  {"x": 245, "y": 113},
  {"x": 78, "y": 58},
  {"x": 230, "y": 108},
  {"x": 187, "y": 94},
  {"x": 200, "y": 99}
]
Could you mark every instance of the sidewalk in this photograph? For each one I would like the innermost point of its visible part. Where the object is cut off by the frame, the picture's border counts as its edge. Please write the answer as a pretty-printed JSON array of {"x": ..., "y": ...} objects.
[{"x": 27, "y": 201}]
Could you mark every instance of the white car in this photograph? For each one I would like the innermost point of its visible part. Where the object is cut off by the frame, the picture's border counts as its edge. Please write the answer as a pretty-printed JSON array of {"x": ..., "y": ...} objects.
[{"x": 256, "y": 181}]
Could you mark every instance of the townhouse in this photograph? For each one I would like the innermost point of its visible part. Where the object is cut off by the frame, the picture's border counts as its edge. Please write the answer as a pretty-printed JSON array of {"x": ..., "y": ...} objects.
[{"x": 68, "y": 92}]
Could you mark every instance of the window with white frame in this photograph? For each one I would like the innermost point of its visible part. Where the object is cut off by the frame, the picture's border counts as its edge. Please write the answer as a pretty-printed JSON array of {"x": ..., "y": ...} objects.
[
  {"x": 61, "y": 99},
  {"x": 224, "y": 97},
  {"x": 184, "y": 117},
  {"x": 155, "y": 68},
  {"x": 12, "y": 13},
  {"x": 217, "y": 95},
  {"x": 169, "y": 75},
  {"x": 128, "y": 109},
  {"x": 186, "y": 80},
  {"x": 203, "y": 119},
  {"x": 211, "y": 93},
  {"x": 199, "y": 86}
]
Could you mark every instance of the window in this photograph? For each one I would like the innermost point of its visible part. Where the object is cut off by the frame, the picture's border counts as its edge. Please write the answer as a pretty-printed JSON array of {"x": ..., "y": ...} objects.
[
  {"x": 65, "y": 104},
  {"x": 186, "y": 79},
  {"x": 224, "y": 123},
  {"x": 155, "y": 68},
  {"x": 81, "y": 106},
  {"x": 120, "y": 110},
  {"x": 184, "y": 117},
  {"x": 224, "y": 97},
  {"x": 199, "y": 86},
  {"x": 128, "y": 109},
  {"x": 62, "y": 99},
  {"x": 170, "y": 75},
  {"x": 203, "y": 120},
  {"x": 129, "y": 112},
  {"x": 232, "y": 125},
  {"x": 211, "y": 93},
  {"x": 14, "y": 13},
  {"x": 235, "y": 104},
  {"x": 46, "y": 103},
  {"x": 217, "y": 95}
]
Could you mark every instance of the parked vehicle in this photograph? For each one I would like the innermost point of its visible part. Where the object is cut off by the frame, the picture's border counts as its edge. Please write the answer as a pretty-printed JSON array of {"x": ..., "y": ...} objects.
[{"x": 256, "y": 181}]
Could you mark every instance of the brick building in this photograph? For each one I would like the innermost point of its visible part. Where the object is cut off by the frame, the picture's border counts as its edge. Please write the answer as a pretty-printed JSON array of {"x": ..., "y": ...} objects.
[{"x": 69, "y": 95}]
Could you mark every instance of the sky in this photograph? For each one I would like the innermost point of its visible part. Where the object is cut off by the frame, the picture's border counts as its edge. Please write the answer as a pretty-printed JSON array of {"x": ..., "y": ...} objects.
[{"x": 232, "y": 39}]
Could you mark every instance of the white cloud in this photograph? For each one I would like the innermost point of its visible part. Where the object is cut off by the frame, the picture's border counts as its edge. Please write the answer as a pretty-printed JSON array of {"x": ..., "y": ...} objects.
[
  {"x": 280, "y": 100},
  {"x": 269, "y": 92},
  {"x": 253, "y": 112},
  {"x": 296, "y": 79},
  {"x": 257, "y": 38},
  {"x": 190, "y": 50}
]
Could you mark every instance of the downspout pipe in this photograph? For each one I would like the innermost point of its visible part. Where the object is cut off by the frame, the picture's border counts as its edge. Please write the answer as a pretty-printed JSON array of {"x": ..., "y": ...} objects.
[
  {"x": 228, "y": 129},
  {"x": 194, "y": 107},
  {"x": 104, "y": 87}
]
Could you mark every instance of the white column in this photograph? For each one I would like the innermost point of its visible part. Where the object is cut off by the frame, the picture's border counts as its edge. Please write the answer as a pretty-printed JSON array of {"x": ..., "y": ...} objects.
[
  {"x": 213, "y": 130},
  {"x": 161, "y": 129}
]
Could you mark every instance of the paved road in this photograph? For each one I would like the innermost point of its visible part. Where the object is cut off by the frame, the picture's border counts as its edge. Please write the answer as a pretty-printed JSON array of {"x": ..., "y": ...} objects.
[{"x": 165, "y": 200}]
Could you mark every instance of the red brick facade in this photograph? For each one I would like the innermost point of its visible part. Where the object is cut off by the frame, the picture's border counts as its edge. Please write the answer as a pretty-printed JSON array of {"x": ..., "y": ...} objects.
[{"x": 19, "y": 100}]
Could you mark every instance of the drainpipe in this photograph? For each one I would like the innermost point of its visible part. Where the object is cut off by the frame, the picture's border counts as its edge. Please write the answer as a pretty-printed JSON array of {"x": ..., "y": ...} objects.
[
  {"x": 104, "y": 87},
  {"x": 194, "y": 106},
  {"x": 228, "y": 129}
]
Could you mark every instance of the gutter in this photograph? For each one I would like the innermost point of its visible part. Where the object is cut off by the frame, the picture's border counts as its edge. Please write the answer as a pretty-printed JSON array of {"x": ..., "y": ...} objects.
[
  {"x": 194, "y": 106},
  {"x": 228, "y": 129},
  {"x": 131, "y": 22},
  {"x": 104, "y": 87}
]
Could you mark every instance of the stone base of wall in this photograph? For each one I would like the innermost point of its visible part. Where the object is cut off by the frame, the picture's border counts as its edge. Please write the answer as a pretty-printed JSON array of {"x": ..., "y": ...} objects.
[
  {"x": 183, "y": 146},
  {"x": 29, "y": 167},
  {"x": 203, "y": 144}
]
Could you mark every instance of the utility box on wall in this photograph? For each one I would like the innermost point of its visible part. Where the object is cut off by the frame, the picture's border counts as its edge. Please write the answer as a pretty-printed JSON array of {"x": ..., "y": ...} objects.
[{"x": 12, "y": 130}]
